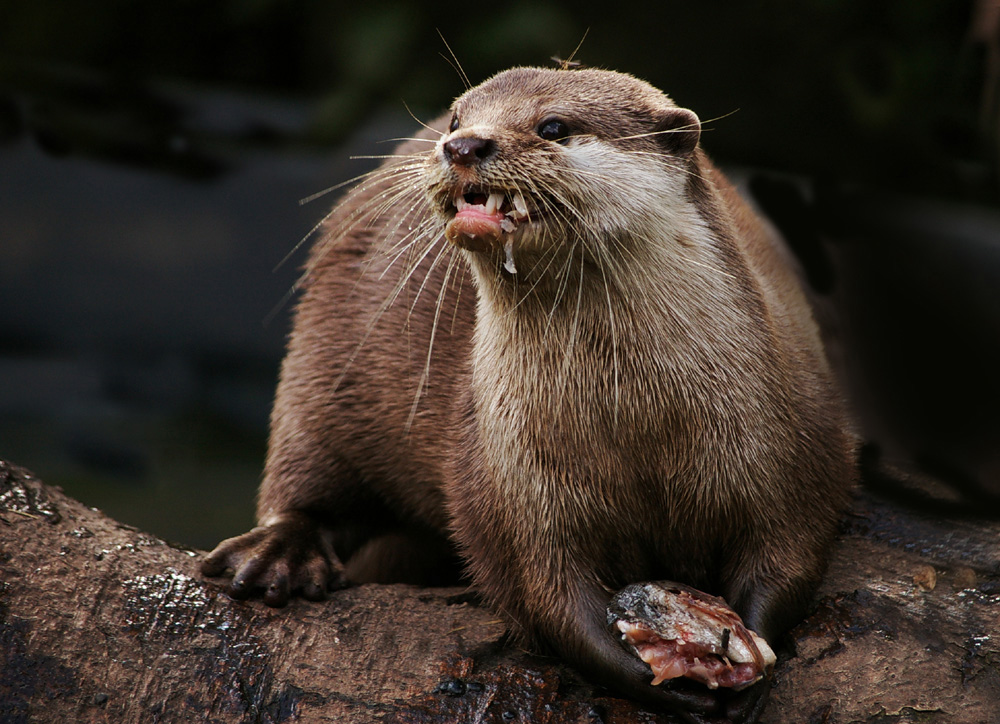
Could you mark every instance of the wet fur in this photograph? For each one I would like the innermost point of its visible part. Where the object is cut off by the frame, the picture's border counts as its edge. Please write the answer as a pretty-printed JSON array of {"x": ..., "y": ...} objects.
[{"x": 647, "y": 398}]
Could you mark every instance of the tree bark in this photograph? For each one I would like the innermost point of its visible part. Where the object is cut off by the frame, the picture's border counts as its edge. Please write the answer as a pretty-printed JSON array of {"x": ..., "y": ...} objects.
[{"x": 100, "y": 622}]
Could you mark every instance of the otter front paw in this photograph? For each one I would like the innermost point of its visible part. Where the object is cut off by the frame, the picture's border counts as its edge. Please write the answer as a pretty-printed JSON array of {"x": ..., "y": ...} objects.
[
  {"x": 681, "y": 632},
  {"x": 292, "y": 555}
]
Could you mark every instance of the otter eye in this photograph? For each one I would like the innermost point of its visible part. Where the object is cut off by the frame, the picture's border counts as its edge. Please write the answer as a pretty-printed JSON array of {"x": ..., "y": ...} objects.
[
  {"x": 553, "y": 129},
  {"x": 453, "y": 126}
]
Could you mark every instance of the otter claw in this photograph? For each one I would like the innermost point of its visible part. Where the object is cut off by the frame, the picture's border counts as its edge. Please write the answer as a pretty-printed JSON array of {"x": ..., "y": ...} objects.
[{"x": 279, "y": 560}]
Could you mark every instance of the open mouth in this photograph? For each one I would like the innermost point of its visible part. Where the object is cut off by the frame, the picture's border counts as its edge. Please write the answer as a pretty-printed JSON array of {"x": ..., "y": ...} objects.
[
  {"x": 510, "y": 208},
  {"x": 484, "y": 220}
]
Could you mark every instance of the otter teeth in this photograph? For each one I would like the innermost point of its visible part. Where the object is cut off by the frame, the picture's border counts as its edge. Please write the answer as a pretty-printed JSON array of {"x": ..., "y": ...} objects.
[
  {"x": 516, "y": 206},
  {"x": 520, "y": 207},
  {"x": 493, "y": 202}
]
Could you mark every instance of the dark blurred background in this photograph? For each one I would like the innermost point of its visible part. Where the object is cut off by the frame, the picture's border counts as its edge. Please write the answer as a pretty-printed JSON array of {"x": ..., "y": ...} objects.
[{"x": 153, "y": 155}]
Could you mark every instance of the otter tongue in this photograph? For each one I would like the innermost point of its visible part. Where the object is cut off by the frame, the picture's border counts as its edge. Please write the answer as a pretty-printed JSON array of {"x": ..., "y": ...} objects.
[
  {"x": 480, "y": 226},
  {"x": 473, "y": 228},
  {"x": 479, "y": 222}
]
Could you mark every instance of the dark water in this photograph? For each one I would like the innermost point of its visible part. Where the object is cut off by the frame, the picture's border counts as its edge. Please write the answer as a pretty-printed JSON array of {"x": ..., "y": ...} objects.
[{"x": 143, "y": 318}]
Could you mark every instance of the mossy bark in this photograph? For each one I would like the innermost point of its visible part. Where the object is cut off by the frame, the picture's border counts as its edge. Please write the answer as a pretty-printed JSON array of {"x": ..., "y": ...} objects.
[{"x": 100, "y": 622}]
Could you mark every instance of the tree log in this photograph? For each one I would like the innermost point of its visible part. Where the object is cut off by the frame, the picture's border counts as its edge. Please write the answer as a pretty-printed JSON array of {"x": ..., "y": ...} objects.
[{"x": 100, "y": 622}]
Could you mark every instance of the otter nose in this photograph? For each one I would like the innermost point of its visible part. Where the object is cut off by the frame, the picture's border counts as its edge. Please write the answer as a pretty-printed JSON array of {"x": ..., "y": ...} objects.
[{"x": 469, "y": 150}]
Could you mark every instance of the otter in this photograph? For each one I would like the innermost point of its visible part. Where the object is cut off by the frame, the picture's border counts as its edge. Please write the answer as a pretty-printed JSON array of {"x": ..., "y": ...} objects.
[{"x": 548, "y": 346}]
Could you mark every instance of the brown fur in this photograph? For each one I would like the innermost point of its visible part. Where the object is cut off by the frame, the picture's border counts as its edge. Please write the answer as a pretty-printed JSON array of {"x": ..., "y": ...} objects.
[{"x": 651, "y": 401}]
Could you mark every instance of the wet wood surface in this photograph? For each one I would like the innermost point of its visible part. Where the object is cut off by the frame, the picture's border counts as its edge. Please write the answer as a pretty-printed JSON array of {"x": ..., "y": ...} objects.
[{"x": 100, "y": 622}]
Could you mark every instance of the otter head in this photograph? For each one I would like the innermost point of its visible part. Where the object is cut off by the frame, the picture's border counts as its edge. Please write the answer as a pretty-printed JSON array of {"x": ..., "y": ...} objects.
[{"x": 536, "y": 160}]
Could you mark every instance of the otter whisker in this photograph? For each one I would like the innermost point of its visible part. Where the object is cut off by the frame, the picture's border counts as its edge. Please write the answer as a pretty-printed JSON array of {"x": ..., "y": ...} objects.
[
  {"x": 562, "y": 208},
  {"x": 614, "y": 334},
  {"x": 444, "y": 248},
  {"x": 551, "y": 252},
  {"x": 298, "y": 245},
  {"x": 712, "y": 269},
  {"x": 401, "y": 179},
  {"x": 458, "y": 291},
  {"x": 285, "y": 298},
  {"x": 427, "y": 127},
  {"x": 686, "y": 128},
  {"x": 406, "y": 240},
  {"x": 376, "y": 317},
  {"x": 672, "y": 162},
  {"x": 453, "y": 62},
  {"x": 679, "y": 129},
  {"x": 363, "y": 211},
  {"x": 369, "y": 262},
  {"x": 425, "y": 375},
  {"x": 400, "y": 139},
  {"x": 613, "y": 182},
  {"x": 415, "y": 254},
  {"x": 374, "y": 173},
  {"x": 563, "y": 276},
  {"x": 375, "y": 208},
  {"x": 402, "y": 250},
  {"x": 382, "y": 157},
  {"x": 548, "y": 256},
  {"x": 564, "y": 372},
  {"x": 416, "y": 204},
  {"x": 363, "y": 216}
]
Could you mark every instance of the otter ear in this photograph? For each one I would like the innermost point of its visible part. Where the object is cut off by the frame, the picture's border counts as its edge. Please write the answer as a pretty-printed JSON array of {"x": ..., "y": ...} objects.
[{"x": 678, "y": 131}]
